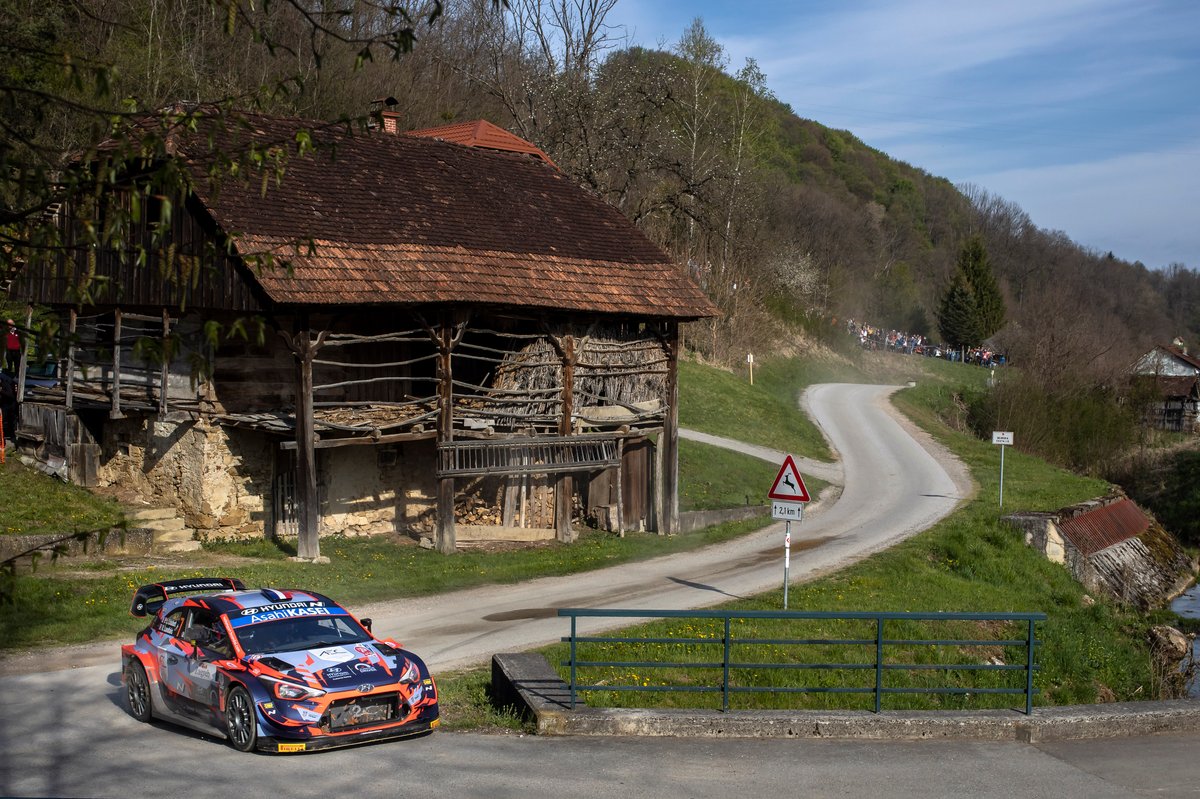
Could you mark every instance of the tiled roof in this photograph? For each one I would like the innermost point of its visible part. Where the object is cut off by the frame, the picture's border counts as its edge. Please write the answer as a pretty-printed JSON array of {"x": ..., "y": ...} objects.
[
  {"x": 371, "y": 217},
  {"x": 1191, "y": 360},
  {"x": 481, "y": 133},
  {"x": 1174, "y": 387},
  {"x": 1105, "y": 526}
]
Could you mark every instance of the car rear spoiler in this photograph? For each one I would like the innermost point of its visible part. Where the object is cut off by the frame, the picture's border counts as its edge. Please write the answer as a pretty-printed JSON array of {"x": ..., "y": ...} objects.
[{"x": 149, "y": 598}]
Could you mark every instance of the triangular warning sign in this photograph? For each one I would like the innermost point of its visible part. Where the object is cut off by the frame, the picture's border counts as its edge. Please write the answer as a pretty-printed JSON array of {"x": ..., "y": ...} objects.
[{"x": 788, "y": 485}]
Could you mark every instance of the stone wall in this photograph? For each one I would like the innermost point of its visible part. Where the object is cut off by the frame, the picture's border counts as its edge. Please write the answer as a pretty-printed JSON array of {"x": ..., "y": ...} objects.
[{"x": 218, "y": 479}]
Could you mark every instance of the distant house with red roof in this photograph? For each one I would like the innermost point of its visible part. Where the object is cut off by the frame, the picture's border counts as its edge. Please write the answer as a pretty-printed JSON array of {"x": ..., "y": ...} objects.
[
  {"x": 1171, "y": 378},
  {"x": 444, "y": 337}
]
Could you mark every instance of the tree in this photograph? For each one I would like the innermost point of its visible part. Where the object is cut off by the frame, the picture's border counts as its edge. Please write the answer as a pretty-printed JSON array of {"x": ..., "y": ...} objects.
[
  {"x": 958, "y": 321},
  {"x": 977, "y": 271},
  {"x": 95, "y": 89},
  {"x": 971, "y": 308}
]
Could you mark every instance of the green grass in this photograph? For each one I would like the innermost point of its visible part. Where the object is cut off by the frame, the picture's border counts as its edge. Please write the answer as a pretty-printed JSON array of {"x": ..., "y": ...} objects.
[
  {"x": 73, "y": 601},
  {"x": 713, "y": 478},
  {"x": 971, "y": 561},
  {"x": 720, "y": 403},
  {"x": 33, "y": 503}
]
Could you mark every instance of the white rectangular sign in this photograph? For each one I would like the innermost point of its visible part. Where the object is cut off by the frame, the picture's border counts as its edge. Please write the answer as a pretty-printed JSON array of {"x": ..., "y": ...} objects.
[
  {"x": 789, "y": 511},
  {"x": 1002, "y": 438}
]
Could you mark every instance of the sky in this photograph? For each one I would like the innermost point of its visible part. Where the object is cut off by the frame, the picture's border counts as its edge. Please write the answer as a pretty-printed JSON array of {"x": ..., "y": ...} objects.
[{"x": 1085, "y": 113}]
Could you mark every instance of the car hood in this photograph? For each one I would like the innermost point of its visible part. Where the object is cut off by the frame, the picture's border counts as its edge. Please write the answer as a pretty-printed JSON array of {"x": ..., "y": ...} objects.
[{"x": 338, "y": 666}]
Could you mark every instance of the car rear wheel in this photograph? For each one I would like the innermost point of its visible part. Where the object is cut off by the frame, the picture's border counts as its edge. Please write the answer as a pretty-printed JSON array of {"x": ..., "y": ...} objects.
[
  {"x": 240, "y": 722},
  {"x": 137, "y": 690}
]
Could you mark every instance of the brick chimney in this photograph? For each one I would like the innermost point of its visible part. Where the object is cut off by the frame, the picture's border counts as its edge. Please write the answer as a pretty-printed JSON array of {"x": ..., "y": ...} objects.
[{"x": 383, "y": 115}]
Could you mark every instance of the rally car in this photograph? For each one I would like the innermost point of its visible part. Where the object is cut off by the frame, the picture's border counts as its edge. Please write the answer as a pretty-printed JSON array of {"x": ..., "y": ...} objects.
[{"x": 271, "y": 670}]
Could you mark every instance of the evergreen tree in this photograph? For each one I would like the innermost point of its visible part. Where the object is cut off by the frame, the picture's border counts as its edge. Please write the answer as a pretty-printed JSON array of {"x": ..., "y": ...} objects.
[
  {"x": 957, "y": 318},
  {"x": 972, "y": 308},
  {"x": 973, "y": 264}
]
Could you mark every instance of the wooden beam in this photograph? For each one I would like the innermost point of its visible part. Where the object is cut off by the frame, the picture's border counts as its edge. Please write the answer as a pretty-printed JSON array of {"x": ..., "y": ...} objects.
[
  {"x": 69, "y": 365},
  {"x": 363, "y": 441},
  {"x": 164, "y": 378},
  {"x": 447, "y": 542},
  {"x": 670, "y": 435},
  {"x": 308, "y": 504},
  {"x": 564, "y": 487},
  {"x": 23, "y": 362},
  {"x": 115, "y": 410}
]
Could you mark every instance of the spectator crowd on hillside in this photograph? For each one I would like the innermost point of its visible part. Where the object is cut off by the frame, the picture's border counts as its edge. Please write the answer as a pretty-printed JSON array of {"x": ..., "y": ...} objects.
[{"x": 874, "y": 338}]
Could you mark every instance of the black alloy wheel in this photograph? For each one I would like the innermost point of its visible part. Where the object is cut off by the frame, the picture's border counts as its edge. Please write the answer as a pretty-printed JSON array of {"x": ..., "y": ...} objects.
[
  {"x": 137, "y": 690},
  {"x": 240, "y": 723}
]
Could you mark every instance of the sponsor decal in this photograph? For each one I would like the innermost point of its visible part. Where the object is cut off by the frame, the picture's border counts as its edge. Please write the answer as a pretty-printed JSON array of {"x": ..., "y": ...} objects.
[
  {"x": 365, "y": 668},
  {"x": 284, "y": 610},
  {"x": 310, "y": 716},
  {"x": 206, "y": 671},
  {"x": 335, "y": 654},
  {"x": 291, "y": 748},
  {"x": 336, "y": 674},
  {"x": 363, "y": 650}
]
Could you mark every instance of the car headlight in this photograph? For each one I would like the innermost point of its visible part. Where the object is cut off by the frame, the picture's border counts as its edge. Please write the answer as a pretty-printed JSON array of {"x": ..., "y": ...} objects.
[{"x": 291, "y": 690}]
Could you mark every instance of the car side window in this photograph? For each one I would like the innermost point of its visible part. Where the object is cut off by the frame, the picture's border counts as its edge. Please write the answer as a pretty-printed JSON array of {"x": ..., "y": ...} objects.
[
  {"x": 218, "y": 642},
  {"x": 172, "y": 623}
]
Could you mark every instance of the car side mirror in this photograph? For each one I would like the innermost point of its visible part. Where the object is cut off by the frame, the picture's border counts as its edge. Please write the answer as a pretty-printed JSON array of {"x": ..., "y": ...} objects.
[{"x": 366, "y": 623}]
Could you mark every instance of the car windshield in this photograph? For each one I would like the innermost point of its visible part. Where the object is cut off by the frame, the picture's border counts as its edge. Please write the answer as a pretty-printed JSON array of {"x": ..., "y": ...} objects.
[{"x": 306, "y": 632}]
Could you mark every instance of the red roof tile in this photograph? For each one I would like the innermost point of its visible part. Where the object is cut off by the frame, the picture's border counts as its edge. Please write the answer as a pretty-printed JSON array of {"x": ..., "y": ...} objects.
[
  {"x": 481, "y": 133},
  {"x": 379, "y": 218},
  {"x": 1105, "y": 526}
]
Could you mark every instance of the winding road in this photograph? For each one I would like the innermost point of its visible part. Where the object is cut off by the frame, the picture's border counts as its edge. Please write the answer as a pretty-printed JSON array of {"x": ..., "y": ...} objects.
[{"x": 65, "y": 733}]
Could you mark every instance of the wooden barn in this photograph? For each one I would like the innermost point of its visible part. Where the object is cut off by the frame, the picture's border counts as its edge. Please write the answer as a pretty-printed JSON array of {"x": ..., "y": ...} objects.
[{"x": 382, "y": 333}]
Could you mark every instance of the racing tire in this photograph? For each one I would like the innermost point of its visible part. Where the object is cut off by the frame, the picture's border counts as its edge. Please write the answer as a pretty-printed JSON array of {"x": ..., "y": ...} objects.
[
  {"x": 137, "y": 691},
  {"x": 241, "y": 723}
]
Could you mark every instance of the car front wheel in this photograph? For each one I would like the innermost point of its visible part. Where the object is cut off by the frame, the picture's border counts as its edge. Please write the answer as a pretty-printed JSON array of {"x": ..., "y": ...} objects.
[
  {"x": 240, "y": 722},
  {"x": 137, "y": 690}
]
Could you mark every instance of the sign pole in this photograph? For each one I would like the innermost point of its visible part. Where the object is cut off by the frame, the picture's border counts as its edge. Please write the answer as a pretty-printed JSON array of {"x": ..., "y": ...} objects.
[
  {"x": 1002, "y": 438},
  {"x": 1002, "y": 448},
  {"x": 787, "y": 559}
]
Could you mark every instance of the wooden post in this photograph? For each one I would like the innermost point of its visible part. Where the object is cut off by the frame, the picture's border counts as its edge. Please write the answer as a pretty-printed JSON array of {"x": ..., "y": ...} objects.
[
  {"x": 23, "y": 363},
  {"x": 564, "y": 485},
  {"x": 621, "y": 487},
  {"x": 166, "y": 364},
  {"x": 447, "y": 542},
  {"x": 69, "y": 366},
  {"x": 670, "y": 435},
  {"x": 308, "y": 501},
  {"x": 115, "y": 411}
]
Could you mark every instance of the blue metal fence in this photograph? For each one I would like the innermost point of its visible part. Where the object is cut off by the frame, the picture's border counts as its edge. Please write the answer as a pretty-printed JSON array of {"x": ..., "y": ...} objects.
[{"x": 791, "y": 647}]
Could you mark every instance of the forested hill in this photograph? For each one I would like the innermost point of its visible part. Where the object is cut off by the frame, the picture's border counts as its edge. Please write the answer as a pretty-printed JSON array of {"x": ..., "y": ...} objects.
[{"x": 777, "y": 216}]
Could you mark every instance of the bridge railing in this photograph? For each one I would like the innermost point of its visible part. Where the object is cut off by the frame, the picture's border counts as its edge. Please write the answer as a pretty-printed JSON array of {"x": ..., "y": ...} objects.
[{"x": 738, "y": 676}]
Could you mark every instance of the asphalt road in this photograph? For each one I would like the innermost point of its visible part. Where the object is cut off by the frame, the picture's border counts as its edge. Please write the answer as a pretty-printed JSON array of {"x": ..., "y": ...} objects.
[
  {"x": 897, "y": 482},
  {"x": 66, "y": 733}
]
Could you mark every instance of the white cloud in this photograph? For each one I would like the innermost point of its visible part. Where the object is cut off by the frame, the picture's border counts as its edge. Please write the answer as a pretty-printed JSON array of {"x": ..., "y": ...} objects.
[{"x": 1143, "y": 207}]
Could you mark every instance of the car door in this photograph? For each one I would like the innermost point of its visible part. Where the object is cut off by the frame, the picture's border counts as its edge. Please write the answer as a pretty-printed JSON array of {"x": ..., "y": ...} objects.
[{"x": 197, "y": 669}]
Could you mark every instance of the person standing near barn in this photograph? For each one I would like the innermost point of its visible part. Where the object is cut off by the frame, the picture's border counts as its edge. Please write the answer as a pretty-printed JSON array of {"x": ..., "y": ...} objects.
[{"x": 12, "y": 348}]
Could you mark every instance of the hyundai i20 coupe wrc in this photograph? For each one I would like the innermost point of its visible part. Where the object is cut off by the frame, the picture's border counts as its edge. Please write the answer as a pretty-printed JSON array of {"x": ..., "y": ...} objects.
[{"x": 275, "y": 671}]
